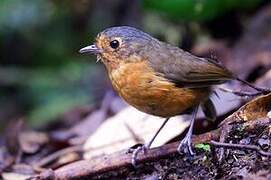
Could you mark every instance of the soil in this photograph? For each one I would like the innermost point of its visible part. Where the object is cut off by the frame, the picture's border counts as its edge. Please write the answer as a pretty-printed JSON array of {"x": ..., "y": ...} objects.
[{"x": 236, "y": 164}]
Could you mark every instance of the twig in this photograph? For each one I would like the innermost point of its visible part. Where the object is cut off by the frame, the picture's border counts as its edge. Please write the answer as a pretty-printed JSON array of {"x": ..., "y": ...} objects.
[
  {"x": 120, "y": 160},
  {"x": 242, "y": 147},
  {"x": 226, "y": 128},
  {"x": 101, "y": 164},
  {"x": 240, "y": 93},
  {"x": 259, "y": 89},
  {"x": 55, "y": 155}
]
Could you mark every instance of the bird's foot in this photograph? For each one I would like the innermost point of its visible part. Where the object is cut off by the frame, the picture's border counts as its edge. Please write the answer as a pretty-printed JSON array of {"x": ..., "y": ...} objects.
[
  {"x": 142, "y": 148},
  {"x": 186, "y": 146},
  {"x": 133, "y": 148}
]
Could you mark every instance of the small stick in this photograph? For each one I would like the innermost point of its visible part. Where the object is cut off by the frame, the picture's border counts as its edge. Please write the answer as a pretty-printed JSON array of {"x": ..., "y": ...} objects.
[
  {"x": 57, "y": 154},
  {"x": 240, "y": 93},
  {"x": 262, "y": 90},
  {"x": 99, "y": 165},
  {"x": 120, "y": 160},
  {"x": 242, "y": 147}
]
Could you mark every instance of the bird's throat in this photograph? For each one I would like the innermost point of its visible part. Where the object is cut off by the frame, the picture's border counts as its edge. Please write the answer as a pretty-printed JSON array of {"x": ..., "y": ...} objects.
[{"x": 110, "y": 63}]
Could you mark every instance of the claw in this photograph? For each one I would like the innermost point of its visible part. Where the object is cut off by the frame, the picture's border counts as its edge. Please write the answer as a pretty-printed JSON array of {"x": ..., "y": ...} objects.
[
  {"x": 136, "y": 151},
  {"x": 133, "y": 148},
  {"x": 147, "y": 146},
  {"x": 186, "y": 146}
]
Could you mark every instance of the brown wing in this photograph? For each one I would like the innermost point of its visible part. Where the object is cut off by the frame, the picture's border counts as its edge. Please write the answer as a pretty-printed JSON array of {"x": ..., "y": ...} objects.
[{"x": 185, "y": 69}]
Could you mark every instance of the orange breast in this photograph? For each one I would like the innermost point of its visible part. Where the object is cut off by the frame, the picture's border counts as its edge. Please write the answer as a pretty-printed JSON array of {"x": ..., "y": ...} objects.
[{"x": 137, "y": 84}]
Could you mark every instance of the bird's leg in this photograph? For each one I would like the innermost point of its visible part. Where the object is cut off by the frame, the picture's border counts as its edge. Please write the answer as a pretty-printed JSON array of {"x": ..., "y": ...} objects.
[
  {"x": 186, "y": 144},
  {"x": 146, "y": 146}
]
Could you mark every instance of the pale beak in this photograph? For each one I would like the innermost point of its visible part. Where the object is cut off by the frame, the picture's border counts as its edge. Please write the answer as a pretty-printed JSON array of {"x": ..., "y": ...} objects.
[{"x": 92, "y": 49}]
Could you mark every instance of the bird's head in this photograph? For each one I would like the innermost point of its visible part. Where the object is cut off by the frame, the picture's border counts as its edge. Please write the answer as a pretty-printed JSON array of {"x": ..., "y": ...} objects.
[{"x": 118, "y": 45}]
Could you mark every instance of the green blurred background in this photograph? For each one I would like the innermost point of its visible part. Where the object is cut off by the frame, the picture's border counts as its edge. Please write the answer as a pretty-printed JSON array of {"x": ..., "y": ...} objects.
[{"x": 42, "y": 74}]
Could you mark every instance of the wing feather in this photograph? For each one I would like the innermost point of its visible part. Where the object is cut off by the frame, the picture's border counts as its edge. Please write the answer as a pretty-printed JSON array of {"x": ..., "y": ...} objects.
[{"x": 185, "y": 69}]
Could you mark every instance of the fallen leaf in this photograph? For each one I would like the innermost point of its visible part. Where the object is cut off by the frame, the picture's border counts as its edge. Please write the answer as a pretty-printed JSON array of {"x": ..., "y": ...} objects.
[
  {"x": 255, "y": 109},
  {"x": 32, "y": 141},
  {"x": 130, "y": 127},
  {"x": 265, "y": 80},
  {"x": 14, "y": 176}
]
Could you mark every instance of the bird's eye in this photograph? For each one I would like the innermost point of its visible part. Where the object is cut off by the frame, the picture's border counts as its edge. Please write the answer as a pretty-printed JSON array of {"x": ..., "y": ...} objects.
[{"x": 114, "y": 44}]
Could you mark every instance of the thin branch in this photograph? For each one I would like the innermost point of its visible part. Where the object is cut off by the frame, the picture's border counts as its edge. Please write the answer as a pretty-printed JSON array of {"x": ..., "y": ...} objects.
[
  {"x": 241, "y": 93},
  {"x": 120, "y": 160},
  {"x": 52, "y": 157},
  {"x": 101, "y": 164},
  {"x": 242, "y": 147}
]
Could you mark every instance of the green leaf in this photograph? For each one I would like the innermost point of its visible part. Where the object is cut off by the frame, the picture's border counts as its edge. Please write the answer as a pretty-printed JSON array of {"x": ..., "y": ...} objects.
[{"x": 204, "y": 147}]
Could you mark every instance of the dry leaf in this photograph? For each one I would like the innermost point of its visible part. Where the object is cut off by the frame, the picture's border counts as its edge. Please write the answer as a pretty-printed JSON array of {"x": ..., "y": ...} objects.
[
  {"x": 14, "y": 176},
  {"x": 257, "y": 108},
  {"x": 128, "y": 128},
  {"x": 31, "y": 141}
]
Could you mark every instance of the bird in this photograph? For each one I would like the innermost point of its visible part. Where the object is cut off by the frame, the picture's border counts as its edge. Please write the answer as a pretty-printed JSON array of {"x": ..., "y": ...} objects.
[{"x": 158, "y": 78}]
